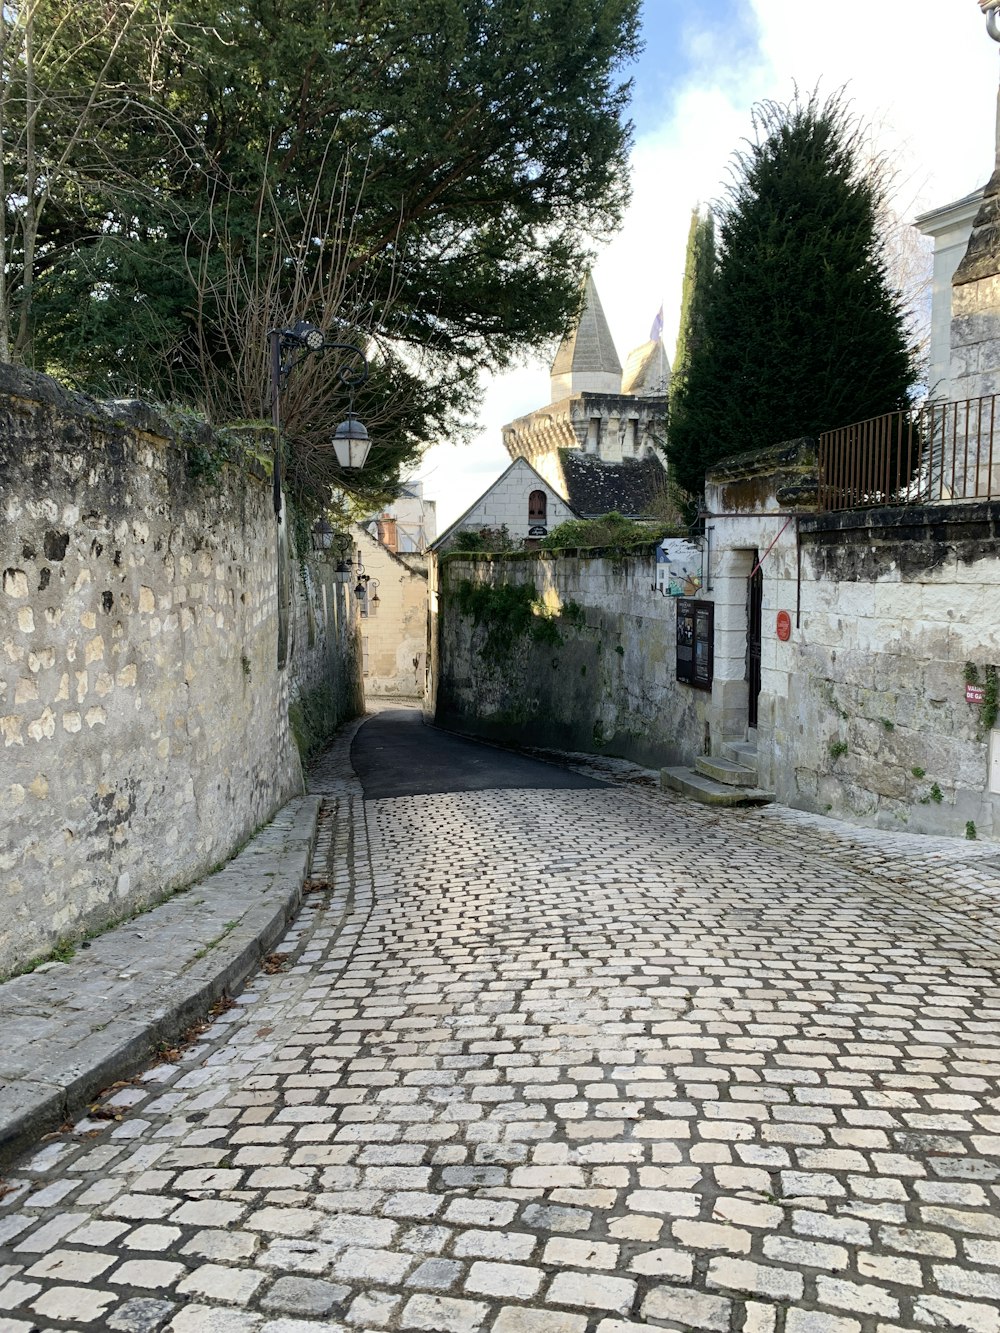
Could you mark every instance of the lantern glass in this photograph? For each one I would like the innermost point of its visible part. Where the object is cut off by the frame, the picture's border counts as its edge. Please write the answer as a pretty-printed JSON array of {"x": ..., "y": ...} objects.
[{"x": 351, "y": 443}]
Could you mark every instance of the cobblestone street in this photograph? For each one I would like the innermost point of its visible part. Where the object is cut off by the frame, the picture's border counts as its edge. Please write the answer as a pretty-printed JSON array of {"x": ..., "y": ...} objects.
[{"x": 560, "y": 1061}]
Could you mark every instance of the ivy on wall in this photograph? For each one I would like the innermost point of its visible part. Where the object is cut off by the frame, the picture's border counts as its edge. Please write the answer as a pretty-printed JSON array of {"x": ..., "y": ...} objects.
[{"x": 508, "y": 611}]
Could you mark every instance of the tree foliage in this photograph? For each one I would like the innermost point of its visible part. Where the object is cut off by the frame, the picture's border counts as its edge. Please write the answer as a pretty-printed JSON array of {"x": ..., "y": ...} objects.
[
  {"x": 802, "y": 330},
  {"x": 612, "y": 531},
  {"x": 427, "y": 178},
  {"x": 699, "y": 269}
]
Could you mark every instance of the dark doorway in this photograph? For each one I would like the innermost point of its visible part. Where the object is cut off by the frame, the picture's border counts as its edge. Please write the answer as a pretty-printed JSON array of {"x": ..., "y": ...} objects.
[{"x": 755, "y": 596}]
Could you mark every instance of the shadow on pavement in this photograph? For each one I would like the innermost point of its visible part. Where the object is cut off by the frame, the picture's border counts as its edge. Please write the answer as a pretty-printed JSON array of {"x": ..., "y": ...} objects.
[{"x": 397, "y": 754}]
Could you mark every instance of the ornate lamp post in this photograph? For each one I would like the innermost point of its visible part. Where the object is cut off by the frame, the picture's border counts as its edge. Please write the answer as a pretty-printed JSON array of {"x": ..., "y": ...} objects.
[
  {"x": 990, "y": 8},
  {"x": 288, "y": 348}
]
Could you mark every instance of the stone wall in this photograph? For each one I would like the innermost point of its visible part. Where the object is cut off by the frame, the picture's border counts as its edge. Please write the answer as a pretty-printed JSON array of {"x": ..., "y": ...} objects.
[
  {"x": 875, "y": 716},
  {"x": 862, "y": 710},
  {"x": 143, "y": 717},
  {"x": 594, "y": 671}
]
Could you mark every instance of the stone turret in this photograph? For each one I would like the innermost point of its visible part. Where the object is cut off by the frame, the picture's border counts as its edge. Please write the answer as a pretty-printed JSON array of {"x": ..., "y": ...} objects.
[
  {"x": 647, "y": 370},
  {"x": 598, "y": 445},
  {"x": 587, "y": 361}
]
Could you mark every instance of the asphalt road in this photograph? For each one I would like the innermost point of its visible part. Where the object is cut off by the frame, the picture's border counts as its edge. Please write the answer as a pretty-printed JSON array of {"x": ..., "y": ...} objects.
[{"x": 397, "y": 754}]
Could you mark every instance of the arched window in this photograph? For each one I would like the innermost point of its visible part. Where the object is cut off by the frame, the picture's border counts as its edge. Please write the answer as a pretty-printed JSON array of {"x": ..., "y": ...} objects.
[{"x": 537, "y": 507}]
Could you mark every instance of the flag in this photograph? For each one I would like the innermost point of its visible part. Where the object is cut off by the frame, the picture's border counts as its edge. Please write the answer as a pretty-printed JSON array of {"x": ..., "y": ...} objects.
[{"x": 656, "y": 332}]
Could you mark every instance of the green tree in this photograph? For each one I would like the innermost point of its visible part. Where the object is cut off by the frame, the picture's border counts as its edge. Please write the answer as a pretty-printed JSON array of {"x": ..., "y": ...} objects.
[
  {"x": 428, "y": 177},
  {"x": 699, "y": 269},
  {"x": 802, "y": 329}
]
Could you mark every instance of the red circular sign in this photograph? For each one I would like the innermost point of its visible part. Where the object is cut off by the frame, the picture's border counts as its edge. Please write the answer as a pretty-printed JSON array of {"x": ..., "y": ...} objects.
[{"x": 784, "y": 626}]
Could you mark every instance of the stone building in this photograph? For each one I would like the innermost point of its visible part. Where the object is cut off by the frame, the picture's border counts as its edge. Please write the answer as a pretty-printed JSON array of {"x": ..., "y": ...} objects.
[
  {"x": 949, "y": 227},
  {"x": 520, "y": 503},
  {"x": 600, "y": 441},
  {"x": 393, "y": 616},
  {"x": 409, "y": 524}
]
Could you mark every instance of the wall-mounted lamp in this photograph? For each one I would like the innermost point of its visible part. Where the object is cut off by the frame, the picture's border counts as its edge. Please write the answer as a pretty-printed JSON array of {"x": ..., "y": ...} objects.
[
  {"x": 361, "y": 587},
  {"x": 322, "y": 534},
  {"x": 374, "y": 599},
  {"x": 289, "y": 347}
]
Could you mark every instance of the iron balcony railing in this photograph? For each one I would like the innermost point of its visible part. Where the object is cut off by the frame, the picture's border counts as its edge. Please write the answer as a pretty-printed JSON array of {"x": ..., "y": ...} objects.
[{"x": 941, "y": 451}]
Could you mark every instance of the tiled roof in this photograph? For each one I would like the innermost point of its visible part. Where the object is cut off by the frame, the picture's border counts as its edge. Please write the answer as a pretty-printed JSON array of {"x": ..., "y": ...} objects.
[
  {"x": 594, "y": 488},
  {"x": 647, "y": 371}
]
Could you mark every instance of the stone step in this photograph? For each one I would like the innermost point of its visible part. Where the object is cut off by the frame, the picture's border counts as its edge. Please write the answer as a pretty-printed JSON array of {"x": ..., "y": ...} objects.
[
  {"x": 695, "y": 785},
  {"x": 724, "y": 770},
  {"x": 741, "y": 752}
]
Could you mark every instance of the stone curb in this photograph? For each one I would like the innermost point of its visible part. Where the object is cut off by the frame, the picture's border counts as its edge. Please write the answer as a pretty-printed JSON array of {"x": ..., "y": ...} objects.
[{"x": 71, "y": 1029}]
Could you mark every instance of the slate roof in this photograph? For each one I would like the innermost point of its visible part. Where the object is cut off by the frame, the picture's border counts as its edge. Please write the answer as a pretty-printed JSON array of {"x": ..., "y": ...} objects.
[
  {"x": 594, "y": 488},
  {"x": 589, "y": 346}
]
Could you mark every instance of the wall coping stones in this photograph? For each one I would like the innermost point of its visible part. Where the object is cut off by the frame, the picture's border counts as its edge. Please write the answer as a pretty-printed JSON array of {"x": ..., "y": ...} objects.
[
  {"x": 928, "y": 518},
  {"x": 72, "y": 1028}
]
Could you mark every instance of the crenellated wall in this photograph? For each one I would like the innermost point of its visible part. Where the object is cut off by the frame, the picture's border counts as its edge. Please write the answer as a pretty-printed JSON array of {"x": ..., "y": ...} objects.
[{"x": 144, "y": 727}]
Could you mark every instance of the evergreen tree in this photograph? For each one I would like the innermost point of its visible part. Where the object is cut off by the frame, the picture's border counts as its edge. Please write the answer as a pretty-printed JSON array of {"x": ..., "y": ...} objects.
[
  {"x": 699, "y": 269},
  {"x": 802, "y": 331},
  {"x": 428, "y": 178}
]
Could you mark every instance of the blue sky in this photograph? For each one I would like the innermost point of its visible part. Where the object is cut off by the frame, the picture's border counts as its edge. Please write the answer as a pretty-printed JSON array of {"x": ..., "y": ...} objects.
[
  {"x": 923, "y": 74},
  {"x": 677, "y": 33}
]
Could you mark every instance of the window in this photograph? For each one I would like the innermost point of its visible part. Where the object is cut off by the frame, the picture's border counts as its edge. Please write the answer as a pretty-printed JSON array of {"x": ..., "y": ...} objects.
[
  {"x": 537, "y": 507},
  {"x": 695, "y": 638}
]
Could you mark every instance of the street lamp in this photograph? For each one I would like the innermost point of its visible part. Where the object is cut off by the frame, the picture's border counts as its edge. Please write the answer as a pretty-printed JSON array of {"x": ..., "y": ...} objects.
[
  {"x": 289, "y": 347},
  {"x": 991, "y": 8},
  {"x": 322, "y": 534},
  {"x": 361, "y": 587},
  {"x": 342, "y": 570}
]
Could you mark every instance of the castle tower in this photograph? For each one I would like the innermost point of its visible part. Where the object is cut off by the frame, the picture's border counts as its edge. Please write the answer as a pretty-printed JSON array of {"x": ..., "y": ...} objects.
[
  {"x": 600, "y": 447},
  {"x": 587, "y": 361}
]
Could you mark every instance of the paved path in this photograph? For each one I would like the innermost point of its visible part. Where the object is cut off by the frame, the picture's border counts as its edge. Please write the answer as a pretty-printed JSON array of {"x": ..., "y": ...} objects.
[
  {"x": 395, "y": 754},
  {"x": 560, "y": 1061}
]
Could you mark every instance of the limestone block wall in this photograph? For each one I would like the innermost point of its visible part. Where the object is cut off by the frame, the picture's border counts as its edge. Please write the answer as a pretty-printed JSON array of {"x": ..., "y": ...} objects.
[
  {"x": 394, "y": 635},
  {"x": 873, "y": 723},
  {"x": 143, "y": 717},
  {"x": 595, "y": 672}
]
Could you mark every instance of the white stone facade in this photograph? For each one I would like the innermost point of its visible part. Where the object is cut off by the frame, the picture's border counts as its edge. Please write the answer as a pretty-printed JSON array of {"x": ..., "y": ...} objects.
[
  {"x": 506, "y": 505},
  {"x": 393, "y": 630},
  {"x": 950, "y": 228}
]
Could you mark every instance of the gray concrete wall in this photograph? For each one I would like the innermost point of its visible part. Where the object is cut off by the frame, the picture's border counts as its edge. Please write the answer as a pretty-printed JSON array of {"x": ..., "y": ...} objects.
[{"x": 144, "y": 727}]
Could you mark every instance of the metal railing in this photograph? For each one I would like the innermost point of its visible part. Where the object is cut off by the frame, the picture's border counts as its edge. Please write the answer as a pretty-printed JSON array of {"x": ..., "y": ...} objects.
[{"x": 943, "y": 451}]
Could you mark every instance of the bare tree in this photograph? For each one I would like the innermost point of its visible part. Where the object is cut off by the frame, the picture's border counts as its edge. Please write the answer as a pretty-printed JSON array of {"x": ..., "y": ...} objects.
[
  {"x": 64, "y": 106},
  {"x": 301, "y": 260}
]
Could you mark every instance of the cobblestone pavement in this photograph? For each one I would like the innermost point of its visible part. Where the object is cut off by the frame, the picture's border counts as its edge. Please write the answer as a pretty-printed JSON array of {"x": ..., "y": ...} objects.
[{"x": 560, "y": 1062}]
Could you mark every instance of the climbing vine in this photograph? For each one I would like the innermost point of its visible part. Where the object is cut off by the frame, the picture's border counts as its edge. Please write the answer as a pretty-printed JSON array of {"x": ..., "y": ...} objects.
[{"x": 508, "y": 611}]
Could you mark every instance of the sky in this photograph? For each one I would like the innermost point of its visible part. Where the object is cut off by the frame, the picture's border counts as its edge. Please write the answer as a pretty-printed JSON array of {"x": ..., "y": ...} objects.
[{"x": 922, "y": 73}]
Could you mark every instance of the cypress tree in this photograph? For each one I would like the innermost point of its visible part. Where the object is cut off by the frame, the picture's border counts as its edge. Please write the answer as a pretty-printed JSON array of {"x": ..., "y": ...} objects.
[
  {"x": 699, "y": 268},
  {"x": 802, "y": 330}
]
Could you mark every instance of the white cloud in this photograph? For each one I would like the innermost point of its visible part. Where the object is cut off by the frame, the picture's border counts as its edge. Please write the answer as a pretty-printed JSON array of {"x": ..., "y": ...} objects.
[{"x": 924, "y": 73}]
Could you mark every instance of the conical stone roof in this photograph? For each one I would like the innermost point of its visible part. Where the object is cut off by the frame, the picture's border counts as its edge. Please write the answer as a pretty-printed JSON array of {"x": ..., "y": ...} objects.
[
  {"x": 587, "y": 360},
  {"x": 647, "y": 371}
]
